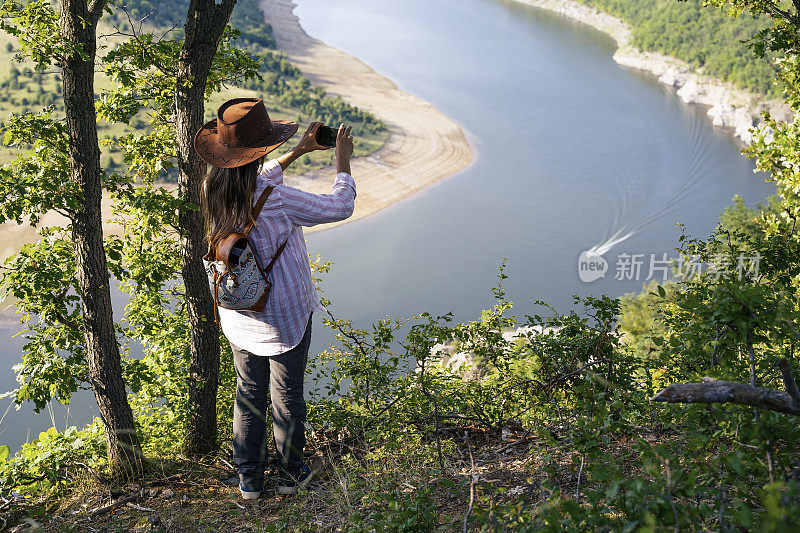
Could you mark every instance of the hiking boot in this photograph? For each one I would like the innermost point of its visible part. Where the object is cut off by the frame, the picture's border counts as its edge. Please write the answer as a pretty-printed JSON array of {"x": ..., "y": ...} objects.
[
  {"x": 291, "y": 483},
  {"x": 250, "y": 490}
]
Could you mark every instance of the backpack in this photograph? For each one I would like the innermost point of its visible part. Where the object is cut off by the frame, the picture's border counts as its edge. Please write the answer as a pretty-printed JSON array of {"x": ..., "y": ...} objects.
[{"x": 235, "y": 277}]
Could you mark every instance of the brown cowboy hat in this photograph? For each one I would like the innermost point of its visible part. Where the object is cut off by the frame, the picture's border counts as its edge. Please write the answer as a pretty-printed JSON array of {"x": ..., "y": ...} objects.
[{"x": 241, "y": 133}]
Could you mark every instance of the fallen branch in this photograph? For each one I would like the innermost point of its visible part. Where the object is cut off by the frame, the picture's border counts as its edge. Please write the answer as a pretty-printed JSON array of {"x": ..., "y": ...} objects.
[
  {"x": 522, "y": 440},
  {"x": 226, "y": 463},
  {"x": 344, "y": 444},
  {"x": 385, "y": 408},
  {"x": 113, "y": 505},
  {"x": 719, "y": 391},
  {"x": 100, "y": 478},
  {"x": 29, "y": 480},
  {"x": 140, "y": 508},
  {"x": 6, "y": 506},
  {"x": 578, "y": 486}
]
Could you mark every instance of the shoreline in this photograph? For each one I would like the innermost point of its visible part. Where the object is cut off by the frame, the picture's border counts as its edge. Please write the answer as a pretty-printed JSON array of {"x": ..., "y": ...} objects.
[
  {"x": 389, "y": 175},
  {"x": 731, "y": 108}
]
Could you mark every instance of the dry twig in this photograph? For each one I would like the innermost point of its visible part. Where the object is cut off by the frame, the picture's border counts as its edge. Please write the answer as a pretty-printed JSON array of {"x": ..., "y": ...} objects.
[
  {"x": 471, "y": 482},
  {"x": 113, "y": 505}
]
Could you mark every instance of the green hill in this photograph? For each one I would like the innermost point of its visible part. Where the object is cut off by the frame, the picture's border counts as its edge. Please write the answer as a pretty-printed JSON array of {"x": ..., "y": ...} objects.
[{"x": 703, "y": 36}]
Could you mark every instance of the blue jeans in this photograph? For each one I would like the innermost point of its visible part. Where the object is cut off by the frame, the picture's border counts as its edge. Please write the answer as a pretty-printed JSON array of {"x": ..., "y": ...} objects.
[{"x": 259, "y": 379}]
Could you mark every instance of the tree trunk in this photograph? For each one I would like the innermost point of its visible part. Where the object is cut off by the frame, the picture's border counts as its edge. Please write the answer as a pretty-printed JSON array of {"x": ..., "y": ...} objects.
[
  {"x": 78, "y": 25},
  {"x": 205, "y": 23}
]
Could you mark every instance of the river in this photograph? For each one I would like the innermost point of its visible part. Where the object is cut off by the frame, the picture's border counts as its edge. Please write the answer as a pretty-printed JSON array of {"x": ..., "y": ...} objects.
[{"x": 571, "y": 150}]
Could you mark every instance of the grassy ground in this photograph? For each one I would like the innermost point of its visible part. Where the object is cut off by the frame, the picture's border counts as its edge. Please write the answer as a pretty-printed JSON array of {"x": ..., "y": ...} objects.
[{"x": 355, "y": 489}]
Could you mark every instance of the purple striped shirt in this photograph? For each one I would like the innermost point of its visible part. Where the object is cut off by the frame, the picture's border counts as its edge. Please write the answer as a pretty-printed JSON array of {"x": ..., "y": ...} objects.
[{"x": 280, "y": 326}]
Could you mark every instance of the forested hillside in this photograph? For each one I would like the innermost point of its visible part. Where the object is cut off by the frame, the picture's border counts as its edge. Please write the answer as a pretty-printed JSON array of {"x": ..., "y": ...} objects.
[
  {"x": 288, "y": 94},
  {"x": 706, "y": 37}
]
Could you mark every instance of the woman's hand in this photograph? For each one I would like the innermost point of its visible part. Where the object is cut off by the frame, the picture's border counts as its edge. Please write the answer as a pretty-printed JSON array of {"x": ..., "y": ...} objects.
[
  {"x": 308, "y": 142},
  {"x": 344, "y": 148}
]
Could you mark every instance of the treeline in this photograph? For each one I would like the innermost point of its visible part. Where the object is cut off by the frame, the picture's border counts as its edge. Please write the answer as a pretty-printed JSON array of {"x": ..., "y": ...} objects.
[
  {"x": 36, "y": 91},
  {"x": 279, "y": 78},
  {"x": 26, "y": 89},
  {"x": 703, "y": 36},
  {"x": 247, "y": 17}
]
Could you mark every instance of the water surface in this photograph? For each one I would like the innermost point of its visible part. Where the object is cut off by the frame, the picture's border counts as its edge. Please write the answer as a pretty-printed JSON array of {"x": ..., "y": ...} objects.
[{"x": 571, "y": 150}]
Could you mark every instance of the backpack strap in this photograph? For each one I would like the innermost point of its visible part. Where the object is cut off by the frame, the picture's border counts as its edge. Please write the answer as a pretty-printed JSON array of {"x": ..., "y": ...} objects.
[
  {"x": 216, "y": 295},
  {"x": 257, "y": 209},
  {"x": 212, "y": 250},
  {"x": 275, "y": 257}
]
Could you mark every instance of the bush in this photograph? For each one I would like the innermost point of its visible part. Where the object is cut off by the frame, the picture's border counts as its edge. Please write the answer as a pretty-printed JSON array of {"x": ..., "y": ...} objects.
[{"x": 54, "y": 461}]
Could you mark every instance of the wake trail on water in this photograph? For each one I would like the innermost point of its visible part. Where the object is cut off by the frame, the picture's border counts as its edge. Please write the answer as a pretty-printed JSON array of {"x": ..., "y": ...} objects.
[{"x": 633, "y": 216}]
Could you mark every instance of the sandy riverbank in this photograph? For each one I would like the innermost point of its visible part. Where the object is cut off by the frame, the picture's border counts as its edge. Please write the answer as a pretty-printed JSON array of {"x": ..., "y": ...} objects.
[
  {"x": 424, "y": 145},
  {"x": 13, "y": 236},
  {"x": 734, "y": 109}
]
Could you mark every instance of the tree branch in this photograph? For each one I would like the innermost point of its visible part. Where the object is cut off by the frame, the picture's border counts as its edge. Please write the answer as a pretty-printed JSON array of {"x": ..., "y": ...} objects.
[
  {"x": 776, "y": 11},
  {"x": 472, "y": 477},
  {"x": 788, "y": 380},
  {"x": 718, "y": 391},
  {"x": 113, "y": 505},
  {"x": 96, "y": 9},
  {"x": 63, "y": 319},
  {"x": 222, "y": 14},
  {"x": 145, "y": 47}
]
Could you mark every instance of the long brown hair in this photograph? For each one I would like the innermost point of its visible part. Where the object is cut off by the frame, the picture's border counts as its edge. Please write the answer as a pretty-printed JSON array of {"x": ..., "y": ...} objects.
[{"x": 227, "y": 199}]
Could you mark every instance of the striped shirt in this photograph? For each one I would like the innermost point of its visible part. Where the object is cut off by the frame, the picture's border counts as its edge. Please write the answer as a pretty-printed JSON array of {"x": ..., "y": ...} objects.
[{"x": 280, "y": 326}]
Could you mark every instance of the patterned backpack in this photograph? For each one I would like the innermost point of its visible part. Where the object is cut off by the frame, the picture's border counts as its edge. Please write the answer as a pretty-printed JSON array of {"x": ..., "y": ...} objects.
[{"x": 235, "y": 276}]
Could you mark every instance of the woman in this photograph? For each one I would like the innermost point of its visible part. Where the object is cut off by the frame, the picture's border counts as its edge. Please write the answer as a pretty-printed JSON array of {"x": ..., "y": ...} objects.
[{"x": 270, "y": 348}]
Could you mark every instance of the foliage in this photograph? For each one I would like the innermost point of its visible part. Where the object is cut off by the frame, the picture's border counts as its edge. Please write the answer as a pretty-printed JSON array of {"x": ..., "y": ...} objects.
[
  {"x": 739, "y": 218},
  {"x": 641, "y": 317},
  {"x": 396, "y": 511},
  {"x": 704, "y": 37},
  {"x": 42, "y": 277},
  {"x": 158, "y": 28},
  {"x": 579, "y": 389},
  {"x": 54, "y": 461},
  {"x": 39, "y": 179},
  {"x": 567, "y": 380},
  {"x": 36, "y": 26}
]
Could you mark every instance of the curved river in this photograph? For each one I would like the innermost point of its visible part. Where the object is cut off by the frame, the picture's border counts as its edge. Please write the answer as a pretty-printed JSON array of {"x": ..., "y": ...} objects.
[
  {"x": 572, "y": 152},
  {"x": 571, "y": 149}
]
